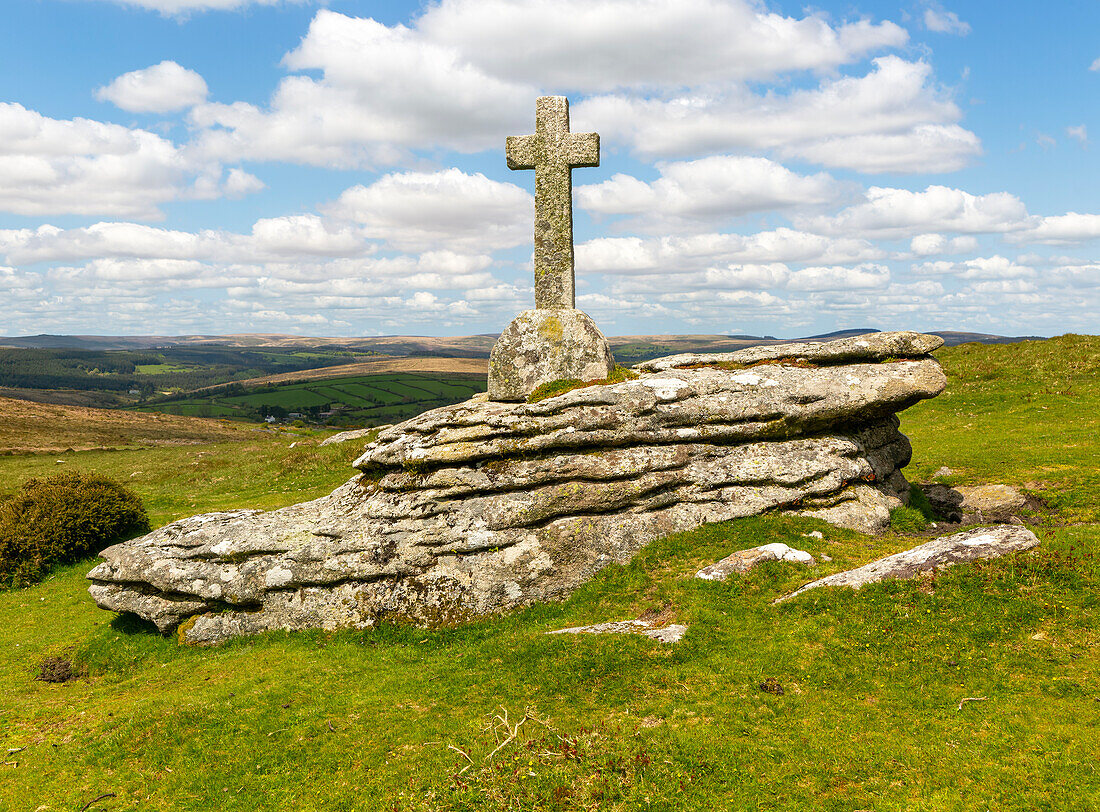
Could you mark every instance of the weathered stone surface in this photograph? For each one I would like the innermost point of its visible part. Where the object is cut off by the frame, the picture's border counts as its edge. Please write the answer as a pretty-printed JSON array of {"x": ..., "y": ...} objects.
[
  {"x": 975, "y": 503},
  {"x": 870, "y": 347},
  {"x": 541, "y": 346},
  {"x": 671, "y": 633},
  {"x": 353, "y": 434},
  {"x": 971, "y": 545},
  {"x": 745, "y": 560},
  {"x": 479, "y": 507}
]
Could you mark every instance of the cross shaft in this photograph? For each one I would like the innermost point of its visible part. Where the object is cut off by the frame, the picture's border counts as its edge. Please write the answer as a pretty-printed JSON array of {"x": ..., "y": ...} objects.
[{"x": 553, "y": 152}]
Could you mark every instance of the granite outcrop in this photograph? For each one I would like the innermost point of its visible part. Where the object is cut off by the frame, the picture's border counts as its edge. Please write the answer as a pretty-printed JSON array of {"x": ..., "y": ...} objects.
[{"x": 476, "y": 508}]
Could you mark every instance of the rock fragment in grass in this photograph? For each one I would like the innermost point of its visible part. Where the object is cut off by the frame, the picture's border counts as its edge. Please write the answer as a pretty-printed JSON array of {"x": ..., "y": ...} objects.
[
  {"x": 352, "y": 434},
  {"x": 975, "y": 503},
  {"x": 970, "y": 545},
  {"x": 745, "y": 560},
  {"x": 667, "y": 634},
  {"x": 771, "y": 686}
]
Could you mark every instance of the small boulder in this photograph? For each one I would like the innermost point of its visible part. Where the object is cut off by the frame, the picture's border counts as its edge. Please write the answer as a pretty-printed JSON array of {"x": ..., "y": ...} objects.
[
  {"x": 975, "y": 503},
  {"x": 745, "y": 560},
  {"x": 991, "y": 502}
]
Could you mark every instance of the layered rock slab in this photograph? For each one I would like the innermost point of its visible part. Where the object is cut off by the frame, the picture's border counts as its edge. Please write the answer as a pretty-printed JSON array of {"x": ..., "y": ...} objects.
[
  {"x": 476, "y": 508},
  {"x": 970, "y": 545}
]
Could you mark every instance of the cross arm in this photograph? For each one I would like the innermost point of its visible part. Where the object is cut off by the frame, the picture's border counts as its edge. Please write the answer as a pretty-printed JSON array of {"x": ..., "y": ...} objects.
[
  {"x": 583, "y": 149},
  {"x": 522, "y": 151}
]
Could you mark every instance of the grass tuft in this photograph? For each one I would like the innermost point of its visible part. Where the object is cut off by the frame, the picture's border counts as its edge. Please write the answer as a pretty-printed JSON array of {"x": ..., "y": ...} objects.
[{"x": 563, "y": 385}]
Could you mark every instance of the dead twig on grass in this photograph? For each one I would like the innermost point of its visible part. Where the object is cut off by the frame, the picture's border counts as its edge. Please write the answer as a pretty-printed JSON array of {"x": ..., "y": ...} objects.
[
  {"x": 102, "y": 797},
  {"x": 971, "y": 699}
]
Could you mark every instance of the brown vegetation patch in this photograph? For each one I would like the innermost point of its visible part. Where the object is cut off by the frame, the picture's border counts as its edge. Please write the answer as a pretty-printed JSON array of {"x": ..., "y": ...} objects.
[
  {"x": 56, "y": 669},
  {"x": 27, "y": 427}
]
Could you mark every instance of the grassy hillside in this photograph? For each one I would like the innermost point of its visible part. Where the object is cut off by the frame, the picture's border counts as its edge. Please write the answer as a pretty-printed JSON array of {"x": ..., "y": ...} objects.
[
  {"x": 41, "y": 427},
  {"x": 496, "y": 715}
]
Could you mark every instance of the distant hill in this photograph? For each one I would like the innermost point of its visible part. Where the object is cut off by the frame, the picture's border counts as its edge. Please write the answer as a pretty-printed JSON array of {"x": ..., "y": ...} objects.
[{"x": 630, "y": 348}]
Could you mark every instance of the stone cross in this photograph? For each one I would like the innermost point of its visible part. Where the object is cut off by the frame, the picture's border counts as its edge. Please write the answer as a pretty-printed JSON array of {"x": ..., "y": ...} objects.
[{"x": 552, "y": 152}]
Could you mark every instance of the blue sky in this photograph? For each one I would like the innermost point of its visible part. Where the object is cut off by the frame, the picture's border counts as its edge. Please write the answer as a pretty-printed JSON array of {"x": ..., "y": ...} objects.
[{"x": 177, "y": 167}]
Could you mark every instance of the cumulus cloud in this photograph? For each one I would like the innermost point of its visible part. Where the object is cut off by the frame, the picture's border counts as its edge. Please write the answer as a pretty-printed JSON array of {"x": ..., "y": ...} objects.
[
  {"x": 424, "y": 210},
  {"x": 465, "y": 71},
  {"x": 601, "y": 45},
  {"x": 673, "y": 255},
  {"x": 383, "y": 91},
  {"x": 271, "y": 239},
  {"x": 928, "y": 244},
  {"x": 995, "y": 267},
  {"x": 896, "y": 213},
  {"x": 79, "y": 166},
  {"x": 707, "y": 190},
  {"x": 162, "y": 88},
  {"x": 892, "y": 107},
  {"x": 1062, "y": 229},
  {"x": 841, "y": 278},
  {"x": 1079, "y": 133},
  {"x": 944, "y": 22}
]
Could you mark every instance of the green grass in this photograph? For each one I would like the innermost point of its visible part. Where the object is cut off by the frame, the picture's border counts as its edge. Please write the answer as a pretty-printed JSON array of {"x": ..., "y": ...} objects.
[
  {"x": 174, "y": 482},
  {"x": 1024, "y": 414},
  {"x": 870, "y": 717}
]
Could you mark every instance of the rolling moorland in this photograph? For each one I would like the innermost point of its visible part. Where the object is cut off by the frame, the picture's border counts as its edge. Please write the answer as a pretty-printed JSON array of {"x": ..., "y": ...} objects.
[{"x": 496, "y": 715}]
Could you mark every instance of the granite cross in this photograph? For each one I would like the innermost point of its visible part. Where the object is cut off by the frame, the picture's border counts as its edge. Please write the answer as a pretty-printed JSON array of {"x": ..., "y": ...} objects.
[{"x": 552, "y": 152}]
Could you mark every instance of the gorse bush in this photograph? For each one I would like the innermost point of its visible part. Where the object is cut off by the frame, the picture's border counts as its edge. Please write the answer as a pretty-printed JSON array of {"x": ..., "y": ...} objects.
[{"x": 62, "y": 519}]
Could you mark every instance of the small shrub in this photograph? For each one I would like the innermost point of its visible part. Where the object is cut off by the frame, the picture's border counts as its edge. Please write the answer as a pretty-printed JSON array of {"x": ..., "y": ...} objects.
[
  {"x": 918, "y": 501},
  {"x": 907, "y": 520},
  {"x": 62, "y": 519}
]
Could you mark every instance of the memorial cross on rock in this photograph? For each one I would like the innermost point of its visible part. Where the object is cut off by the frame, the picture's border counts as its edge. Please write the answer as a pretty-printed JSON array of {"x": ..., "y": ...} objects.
[{"x": 553, "y": 152}]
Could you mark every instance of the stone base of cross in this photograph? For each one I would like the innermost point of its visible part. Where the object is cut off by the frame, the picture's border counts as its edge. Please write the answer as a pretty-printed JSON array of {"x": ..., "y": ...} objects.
[
  {"x": 555, "y": 341},
  {"x": 542, "y": 346}
]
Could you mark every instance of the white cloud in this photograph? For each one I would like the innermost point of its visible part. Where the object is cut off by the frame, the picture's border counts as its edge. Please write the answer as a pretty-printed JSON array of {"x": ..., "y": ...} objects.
[
  {"x": 840, "y": 278},
  {"x": 676, "y": 254},
  {"x": 995, "y": 267},
  {"x": 707, "y": 190},
  {"x": 384, "y": 91},
  {"x": 896, "y": 213},
  {"x": 1095, "y": 64},
  {"x": 79, "y": 166},
  {"x": 1063, "y": 228},
  {"x": 944, "y": 22},
  {"x": 892, "y": 107},
  {"x": 1079, "y": 133},
  {"x": 423, "y": 210},
  {"x": 601, "y": 45},
  {"x": 271, "y": 239},
  {"x": 465, "y": 71},
  {"x": 925, "y": 148},
  {"x": 161, "y": 88},
  {"x": 928, "y": 244}
]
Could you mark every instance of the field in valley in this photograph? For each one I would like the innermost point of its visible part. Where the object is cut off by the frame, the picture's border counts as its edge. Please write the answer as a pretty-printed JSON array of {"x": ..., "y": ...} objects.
[
  {"x": 361, "y": 400},
  {"x": 497, "y": 715}
]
